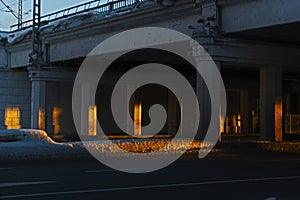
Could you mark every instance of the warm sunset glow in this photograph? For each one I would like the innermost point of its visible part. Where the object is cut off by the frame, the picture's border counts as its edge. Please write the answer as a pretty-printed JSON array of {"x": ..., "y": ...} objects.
[
  {"x": 12, "y": 118},
  {"x": 239, "y": 123},
  {"x": 227, "y": 124},
  {"x": 222, "y": 122},
  {"x": 278, "y": 120},
  {"x": 55, "y": 120},
  {"x": 181, "y": 118},
  {"x": 92, "y": 121},
  {"x": 291, "y": 123},
  {"x": 138, "y": 119},
  {"x": 233, "y": 123},
  {"x": 41, "y": 125}
]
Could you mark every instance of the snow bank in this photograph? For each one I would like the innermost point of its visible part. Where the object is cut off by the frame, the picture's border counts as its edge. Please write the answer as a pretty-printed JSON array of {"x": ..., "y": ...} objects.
[
  {"x": 27, "y": 144},
  {"x": 14, "y": 36},
  {"x": 28, "y": 135}
]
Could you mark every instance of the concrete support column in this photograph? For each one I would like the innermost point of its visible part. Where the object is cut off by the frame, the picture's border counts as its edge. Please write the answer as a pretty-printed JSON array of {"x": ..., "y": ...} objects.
[
  {"x": 205, "y": 105},
  {"x": 244, "y": 107},
  {"x": 85, "y": 104},
  {"x": 129, "y": 120},
  {"x": 38, "y": 104},
  {"x": 271, "y": 103},
  {"x": 172, "y": 114}
]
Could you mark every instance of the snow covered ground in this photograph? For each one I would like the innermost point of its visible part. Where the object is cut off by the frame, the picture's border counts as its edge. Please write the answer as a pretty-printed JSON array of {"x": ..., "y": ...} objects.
[
  {"x": 33, "y": 145},
  {"x": 36, "y": 145}
]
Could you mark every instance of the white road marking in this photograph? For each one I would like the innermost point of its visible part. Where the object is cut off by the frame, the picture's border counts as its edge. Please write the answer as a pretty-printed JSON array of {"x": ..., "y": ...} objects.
[
  {"x": 149, "y": 187},
  {"x": 14, "y": 184},
  {"x": 107, "y": 170},
  {"x": 6, "y": 168},
  {"x": 100, "y": 171}
]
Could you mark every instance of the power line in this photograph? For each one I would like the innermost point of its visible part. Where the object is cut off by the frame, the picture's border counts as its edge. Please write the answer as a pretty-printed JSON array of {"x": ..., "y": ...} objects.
[
  {"x": 11, "y": 3},
  {"x": 9, "y": 8},
  {"x": 18, "y": 15}
]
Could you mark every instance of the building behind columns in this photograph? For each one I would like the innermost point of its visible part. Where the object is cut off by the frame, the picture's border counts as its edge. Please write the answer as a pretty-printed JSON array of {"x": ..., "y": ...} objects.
[{"x": 254, "y": 43}]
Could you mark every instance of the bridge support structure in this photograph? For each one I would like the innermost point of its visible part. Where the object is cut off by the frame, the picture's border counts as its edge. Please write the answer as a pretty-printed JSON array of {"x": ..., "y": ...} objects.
[{"x": 271, "y": 103}]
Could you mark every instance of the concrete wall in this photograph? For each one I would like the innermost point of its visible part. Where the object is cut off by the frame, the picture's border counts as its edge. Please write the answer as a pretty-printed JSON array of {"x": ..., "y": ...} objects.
[
  {"x": 15, "y": 92},
  {"x": 3, "y": 57}
]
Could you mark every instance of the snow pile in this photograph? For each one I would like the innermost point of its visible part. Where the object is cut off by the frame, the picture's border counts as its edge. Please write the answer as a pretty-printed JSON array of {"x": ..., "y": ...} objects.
[
  {"x": 14, "y": 37},
  {"x": 26, "y": 144},
  {"x": 3, "y": 35},
  {"x": 28, "y": 135}
]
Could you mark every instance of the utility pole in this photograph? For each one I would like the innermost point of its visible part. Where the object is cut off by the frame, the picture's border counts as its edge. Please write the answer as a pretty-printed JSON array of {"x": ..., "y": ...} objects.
[
  {"x": 38, "y": 86},
  {"x": 36, "y": 54},
  {"x": 20, "y": 14}
]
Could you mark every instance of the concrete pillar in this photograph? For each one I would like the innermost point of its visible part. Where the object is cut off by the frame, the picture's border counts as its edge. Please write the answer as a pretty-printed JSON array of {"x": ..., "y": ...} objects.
[
  {"x": 172, "y": 114},
  {"x": 129, "y": 120},
  {"x": 85, "y": 105},
  {"x": 205, "y": 105},
  {"x": 244, "y": 107},
  {"x": 38, "y": 104},
  {"x": 271, "y": 103}
]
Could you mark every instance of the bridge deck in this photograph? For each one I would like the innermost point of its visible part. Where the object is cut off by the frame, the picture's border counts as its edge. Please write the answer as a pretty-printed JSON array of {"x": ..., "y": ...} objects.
[{"x": 95, "y": 5}]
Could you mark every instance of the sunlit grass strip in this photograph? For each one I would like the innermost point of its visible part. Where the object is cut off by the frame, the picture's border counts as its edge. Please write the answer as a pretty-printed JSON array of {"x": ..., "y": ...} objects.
[{"x": 145, "y": 146}]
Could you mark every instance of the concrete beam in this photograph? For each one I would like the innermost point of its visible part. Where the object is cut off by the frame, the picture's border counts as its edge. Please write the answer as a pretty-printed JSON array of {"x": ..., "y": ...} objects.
[
  {"x": 44, "y": 75},
  {"x": 251, "y": 53},
  {"x": 77, "y": 40},
  {"x": 255, "y": 14}
]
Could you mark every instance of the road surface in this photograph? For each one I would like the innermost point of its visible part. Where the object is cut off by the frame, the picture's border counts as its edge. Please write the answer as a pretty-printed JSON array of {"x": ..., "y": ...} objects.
[{"x": 220, "y": 176}]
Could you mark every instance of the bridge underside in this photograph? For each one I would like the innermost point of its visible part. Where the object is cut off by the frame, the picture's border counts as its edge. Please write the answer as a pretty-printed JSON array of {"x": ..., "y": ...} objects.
[
  {"x": 285, "y": 34},
  {"x": 258, "y": 61},
  {"x": 262, "y": 98}
]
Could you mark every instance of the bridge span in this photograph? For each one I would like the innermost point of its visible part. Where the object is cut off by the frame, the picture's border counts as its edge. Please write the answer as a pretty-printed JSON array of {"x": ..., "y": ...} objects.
[{"x": 255, "y": 44}]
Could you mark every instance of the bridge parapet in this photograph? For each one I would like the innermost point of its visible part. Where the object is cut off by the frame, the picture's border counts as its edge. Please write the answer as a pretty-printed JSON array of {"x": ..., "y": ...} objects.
[{"x": 95, "y": 6}]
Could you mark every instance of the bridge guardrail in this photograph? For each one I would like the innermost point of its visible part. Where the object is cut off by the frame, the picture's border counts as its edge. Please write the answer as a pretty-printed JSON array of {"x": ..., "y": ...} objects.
[{"x": 81, "y": 8}]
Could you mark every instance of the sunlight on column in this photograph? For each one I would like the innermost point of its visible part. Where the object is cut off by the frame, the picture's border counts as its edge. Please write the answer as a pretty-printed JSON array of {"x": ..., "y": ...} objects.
[
  {"x": 181, "y": 119},
  {"x": 55, "y": 120},
  {"x": 92, "y": 121},
  {"x": 239, "y": 123},
  {"x": 222, "y": 121},
  {"x": 41, "y": 125},
  {"x": 138, "y": 119},
  {"x": 278, "y": 120},
  {"x": 12, "y": 118}
]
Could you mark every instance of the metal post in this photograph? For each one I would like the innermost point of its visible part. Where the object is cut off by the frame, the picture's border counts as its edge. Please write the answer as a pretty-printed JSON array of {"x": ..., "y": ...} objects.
[
  {"x": 20, "y": 14},
  {"x": 36, "y": 55}
]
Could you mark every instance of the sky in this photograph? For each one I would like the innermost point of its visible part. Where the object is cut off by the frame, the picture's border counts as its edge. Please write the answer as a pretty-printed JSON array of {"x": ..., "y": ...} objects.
[{"x": 48, "y": 6}]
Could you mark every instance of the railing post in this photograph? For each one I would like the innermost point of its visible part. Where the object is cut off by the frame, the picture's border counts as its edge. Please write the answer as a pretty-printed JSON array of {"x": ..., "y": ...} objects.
[{"x": 111, "y": 6}]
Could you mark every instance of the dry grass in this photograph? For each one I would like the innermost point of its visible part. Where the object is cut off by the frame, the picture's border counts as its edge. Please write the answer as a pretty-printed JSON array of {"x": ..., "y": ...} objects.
[{"x": 145, "y": 146}]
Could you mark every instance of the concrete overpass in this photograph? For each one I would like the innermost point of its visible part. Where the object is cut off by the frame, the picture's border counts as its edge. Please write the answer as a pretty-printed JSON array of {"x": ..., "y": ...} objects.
[{"x": 241, "y": 36}]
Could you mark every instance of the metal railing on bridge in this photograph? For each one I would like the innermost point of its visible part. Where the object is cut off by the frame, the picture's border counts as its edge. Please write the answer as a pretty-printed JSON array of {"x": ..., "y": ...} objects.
[{"x": 96, "y": 5}]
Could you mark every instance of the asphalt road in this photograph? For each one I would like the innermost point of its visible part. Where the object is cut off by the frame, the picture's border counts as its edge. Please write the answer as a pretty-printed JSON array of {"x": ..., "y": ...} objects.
[{"x": 219, "y": 176}]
